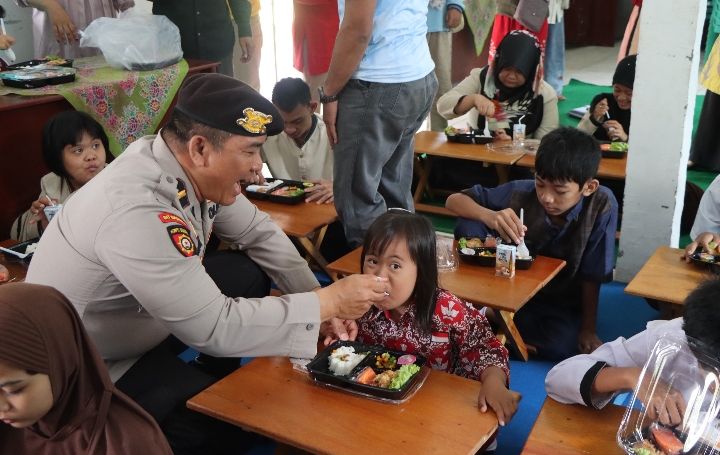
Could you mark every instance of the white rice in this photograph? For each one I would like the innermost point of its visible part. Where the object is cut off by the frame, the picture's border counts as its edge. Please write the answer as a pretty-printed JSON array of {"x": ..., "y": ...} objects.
[{"x": 343, "y": 360}]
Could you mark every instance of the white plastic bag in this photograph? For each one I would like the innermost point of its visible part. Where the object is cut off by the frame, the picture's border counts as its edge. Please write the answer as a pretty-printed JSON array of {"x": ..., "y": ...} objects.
[{"x": 135, "y": 41}]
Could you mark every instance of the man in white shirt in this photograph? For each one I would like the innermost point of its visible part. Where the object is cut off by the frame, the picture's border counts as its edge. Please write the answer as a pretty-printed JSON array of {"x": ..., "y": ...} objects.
[{"x": 302, "y": 151}]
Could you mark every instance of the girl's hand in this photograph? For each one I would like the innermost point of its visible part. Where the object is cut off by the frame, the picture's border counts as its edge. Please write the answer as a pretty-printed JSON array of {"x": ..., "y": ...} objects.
[
  {"x": 615, "y": 131},
  {"x": 495, "y": 395},
  {"x": 485, "y": 107},
  {"x": 37, "y": 209},
  {"x": 600, "y": 110},
  {"x": 322, "y": 192},
  {"x": 6, "y": 41},
  {"x": 65, "y": 31},
  {"x": 501, "y": 135}
]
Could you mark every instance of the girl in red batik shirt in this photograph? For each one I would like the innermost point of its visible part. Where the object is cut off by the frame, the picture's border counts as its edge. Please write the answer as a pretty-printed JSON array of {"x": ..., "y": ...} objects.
[{"x": 419, "y": 317}]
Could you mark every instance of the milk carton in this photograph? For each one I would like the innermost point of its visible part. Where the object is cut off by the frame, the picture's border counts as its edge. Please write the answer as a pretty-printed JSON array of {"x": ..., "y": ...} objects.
[{"x": 505, "y": 261}]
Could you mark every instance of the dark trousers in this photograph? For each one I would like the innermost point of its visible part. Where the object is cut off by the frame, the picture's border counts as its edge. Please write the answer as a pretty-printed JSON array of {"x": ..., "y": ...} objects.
[
  {"x": 161, "y": 383},
  {"x": 550, "y": 327}
]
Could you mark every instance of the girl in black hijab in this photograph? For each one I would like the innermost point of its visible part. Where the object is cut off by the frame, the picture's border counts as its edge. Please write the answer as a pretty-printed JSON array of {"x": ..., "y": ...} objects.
[
  {"x": 608, "y": 118},
  {"x": 509, "y": 90}
]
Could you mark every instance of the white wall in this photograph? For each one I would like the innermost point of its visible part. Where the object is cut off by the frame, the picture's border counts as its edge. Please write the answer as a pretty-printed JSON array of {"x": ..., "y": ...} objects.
[{"x": 662, "y": 115}]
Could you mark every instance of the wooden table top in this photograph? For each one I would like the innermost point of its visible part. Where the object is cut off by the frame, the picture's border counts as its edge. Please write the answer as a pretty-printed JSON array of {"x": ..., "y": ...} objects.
[
  {"x": 569, "y": 429},
  {"x": 666, "y": 277},
  {"x": 16, "y": 267},
  {"x": 435, "y": 143},
  {"x": 268, "y": 397},
  {"x": 479, "y": 285},
  {"x": 299, "y": 220},
  {"x": 611, "y": 168}
]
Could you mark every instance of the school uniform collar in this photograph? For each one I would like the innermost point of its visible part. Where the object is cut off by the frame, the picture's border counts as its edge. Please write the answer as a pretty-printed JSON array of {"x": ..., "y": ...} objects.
[
  {"x": 572, "y": 215},
  {"x": 311, "y": 131}
]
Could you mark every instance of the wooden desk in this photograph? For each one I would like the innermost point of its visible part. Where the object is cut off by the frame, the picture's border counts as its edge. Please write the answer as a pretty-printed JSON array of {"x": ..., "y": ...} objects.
[
  {"x": 16, "y": 267},
  {"x": 611, "y": 168},
  {"x": 569, "y": 429},
  {"x": 268, "y": 397},
  {"x": 479, "y": 286},
  {"x": 305, "y": 221},
  {"x": 22, "y": 166},
  {"x": 434, "y": 143},
  {"x": 667, "y": 279}
]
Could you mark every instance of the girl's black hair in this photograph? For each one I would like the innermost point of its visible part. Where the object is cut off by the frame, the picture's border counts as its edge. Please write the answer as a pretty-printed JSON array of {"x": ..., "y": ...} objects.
[
  {"x": 66, "y": 128},
  {"x": 419, "y": 234}
]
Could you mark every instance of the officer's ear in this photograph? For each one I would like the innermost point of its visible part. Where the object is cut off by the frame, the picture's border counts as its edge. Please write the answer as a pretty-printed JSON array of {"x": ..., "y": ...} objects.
[{"x": 199, "y": 149}]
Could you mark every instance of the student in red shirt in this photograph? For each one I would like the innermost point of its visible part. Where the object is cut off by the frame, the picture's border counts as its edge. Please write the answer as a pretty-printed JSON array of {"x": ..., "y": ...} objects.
[{"x": 420, "y": 317}]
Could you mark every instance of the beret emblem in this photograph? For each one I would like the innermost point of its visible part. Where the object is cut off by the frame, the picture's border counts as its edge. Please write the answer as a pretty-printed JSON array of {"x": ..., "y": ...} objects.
[{"x": 254, "y": 121}]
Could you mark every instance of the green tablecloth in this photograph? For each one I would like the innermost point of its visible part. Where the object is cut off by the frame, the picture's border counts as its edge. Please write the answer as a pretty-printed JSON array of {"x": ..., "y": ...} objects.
[{"x": 128, "y": 104}]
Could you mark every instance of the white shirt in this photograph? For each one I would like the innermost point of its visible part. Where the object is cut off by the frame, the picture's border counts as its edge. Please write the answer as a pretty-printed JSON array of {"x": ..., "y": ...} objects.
[
  {"x": 312, "y": 161},
  {"x": 708, "y": 215}
]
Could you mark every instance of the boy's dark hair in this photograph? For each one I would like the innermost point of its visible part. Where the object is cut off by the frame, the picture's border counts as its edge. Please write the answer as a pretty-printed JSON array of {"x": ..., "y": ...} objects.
[
  {"x": 419, "y": 234},
  {"x": 568, "y": 155},
  {"x": 182, "y": 127},
  {"x": 290, "y": 93},
  {"x": 701, "y": 315},
  {"x": 66, "y": 128}
]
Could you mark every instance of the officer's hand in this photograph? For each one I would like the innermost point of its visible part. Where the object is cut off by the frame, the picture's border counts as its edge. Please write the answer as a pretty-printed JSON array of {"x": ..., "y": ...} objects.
[
  {"x": 351, "y": 297},
  {"x": 338, "y": 329}
]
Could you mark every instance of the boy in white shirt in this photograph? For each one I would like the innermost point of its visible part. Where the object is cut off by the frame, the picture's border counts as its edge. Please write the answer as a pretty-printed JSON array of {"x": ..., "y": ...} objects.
[{"x": 302, "y": 151}]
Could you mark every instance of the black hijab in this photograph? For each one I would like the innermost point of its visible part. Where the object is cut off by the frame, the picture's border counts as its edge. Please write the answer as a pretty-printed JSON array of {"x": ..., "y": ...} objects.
[{"x": 520, "y": 50}]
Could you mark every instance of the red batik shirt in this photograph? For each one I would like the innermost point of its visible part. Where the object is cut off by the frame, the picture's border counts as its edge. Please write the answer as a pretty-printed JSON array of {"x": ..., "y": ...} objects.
[{"x": 461, "y": 341}]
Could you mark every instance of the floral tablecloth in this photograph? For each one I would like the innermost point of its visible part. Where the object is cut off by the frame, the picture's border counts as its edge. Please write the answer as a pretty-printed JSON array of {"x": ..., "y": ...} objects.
[{"x": 128, "y": 104}]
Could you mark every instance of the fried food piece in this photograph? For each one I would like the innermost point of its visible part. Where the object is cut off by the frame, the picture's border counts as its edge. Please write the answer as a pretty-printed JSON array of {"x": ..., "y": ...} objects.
[
  {"x": 384, "y": 379},
  {"x": 474, "y": 243}
]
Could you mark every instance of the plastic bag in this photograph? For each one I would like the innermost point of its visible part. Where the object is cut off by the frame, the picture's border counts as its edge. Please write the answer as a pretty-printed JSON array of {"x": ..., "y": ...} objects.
[{"x": 135, "y": 41}]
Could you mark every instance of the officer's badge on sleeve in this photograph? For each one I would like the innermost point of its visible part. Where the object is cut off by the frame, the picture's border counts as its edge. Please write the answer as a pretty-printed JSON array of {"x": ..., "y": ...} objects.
[{"x": 182, "y": 240}]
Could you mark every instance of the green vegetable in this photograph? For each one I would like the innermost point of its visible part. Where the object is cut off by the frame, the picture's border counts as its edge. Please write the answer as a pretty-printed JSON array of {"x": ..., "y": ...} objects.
[
  {"x": 52, "y": 57},
  {"x": 308, "y": 184},
  {"x": 462, "y": 243},
  {"x": 712, "y": 246},
  {"x": 404, "y": 373},
  {"x": 296, "y": 192},
  {"x": 641, "y": 451},
  {"x": 619, "y": 147}
]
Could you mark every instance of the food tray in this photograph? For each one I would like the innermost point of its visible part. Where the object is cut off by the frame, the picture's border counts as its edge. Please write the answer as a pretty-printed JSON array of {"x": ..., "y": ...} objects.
[
  {"x": 613, "y": 154},
  {"x": 482, "y": 261},
  {"x": 31, "y": 63},
  {"x": 18, "y": 251},
  {"x": 319, "y": 369},
  {"x": 280, "y": 199},
  {"x": 481, "y": 140},
  {"x": 705, "y": 260},
  {"x": 37, "y": 77},
  {"x": 687, "y": 367}
]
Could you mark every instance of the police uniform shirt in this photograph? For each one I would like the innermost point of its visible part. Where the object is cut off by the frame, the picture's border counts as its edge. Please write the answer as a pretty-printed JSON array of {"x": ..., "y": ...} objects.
[{"x": 126, "y": 250}]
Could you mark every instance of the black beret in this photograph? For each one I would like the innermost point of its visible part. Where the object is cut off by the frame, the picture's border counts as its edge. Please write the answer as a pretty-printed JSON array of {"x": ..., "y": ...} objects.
[{"x": 228, "y": 104}]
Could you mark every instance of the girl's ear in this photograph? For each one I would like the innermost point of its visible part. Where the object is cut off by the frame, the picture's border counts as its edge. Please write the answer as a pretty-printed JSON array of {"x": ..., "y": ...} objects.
[{"x": 590, "y": 187}]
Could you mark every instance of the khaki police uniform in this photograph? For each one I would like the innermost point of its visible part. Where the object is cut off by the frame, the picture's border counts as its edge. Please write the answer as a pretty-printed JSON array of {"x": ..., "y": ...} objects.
[{"x": 126, "y": 250}]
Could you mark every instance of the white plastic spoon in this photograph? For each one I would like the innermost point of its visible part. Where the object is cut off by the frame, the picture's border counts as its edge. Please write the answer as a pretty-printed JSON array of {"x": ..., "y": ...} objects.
[{"x": 522, "y": 250}]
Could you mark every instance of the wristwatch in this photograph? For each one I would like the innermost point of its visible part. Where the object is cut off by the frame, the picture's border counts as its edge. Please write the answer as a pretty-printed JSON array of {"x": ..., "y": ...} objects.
[{"x": 324, "y": 99}]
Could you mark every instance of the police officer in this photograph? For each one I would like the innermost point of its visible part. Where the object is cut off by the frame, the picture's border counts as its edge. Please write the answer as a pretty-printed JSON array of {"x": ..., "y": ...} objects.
[{"x": 127, "y": 251}]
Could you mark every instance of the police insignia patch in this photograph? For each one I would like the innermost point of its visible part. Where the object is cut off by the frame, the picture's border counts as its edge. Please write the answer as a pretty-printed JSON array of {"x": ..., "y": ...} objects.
[
  {"x": 167, "y": 217},
  {"x": 182, "y": 194},
  {"x": 182, "y": 240},
  {"x": 254, "y": 121}
]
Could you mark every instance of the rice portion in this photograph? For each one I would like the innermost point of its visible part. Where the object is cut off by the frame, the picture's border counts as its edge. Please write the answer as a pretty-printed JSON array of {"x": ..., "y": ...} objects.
[{"x": 343, "y": 360}]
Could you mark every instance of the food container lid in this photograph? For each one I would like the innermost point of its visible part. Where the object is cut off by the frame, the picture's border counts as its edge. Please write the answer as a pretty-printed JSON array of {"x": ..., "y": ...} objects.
[
  {"x": 36, "y": 73},
  {"x": 680, "y": 373}
]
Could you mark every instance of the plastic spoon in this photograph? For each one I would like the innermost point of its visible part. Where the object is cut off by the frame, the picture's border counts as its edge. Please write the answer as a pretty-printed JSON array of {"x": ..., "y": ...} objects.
[
  {"x": 9, "y": 52},
  {"x": 522, "y": 250}
]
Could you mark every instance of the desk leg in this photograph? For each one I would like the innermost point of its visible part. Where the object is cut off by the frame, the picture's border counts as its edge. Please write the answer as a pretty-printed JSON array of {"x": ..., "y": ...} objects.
[
  {"x": 503, "y": 172},
  {"x": 507, "y": 326},
  {"x": 423, "y": 174},
  {"x": 313, "y": 250}
]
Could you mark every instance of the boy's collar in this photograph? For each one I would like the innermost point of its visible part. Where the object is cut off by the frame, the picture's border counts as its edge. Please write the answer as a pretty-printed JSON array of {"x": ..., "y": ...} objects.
[
  {"x": 311, "y": 131},
  {"x": 572, "y": 213}
]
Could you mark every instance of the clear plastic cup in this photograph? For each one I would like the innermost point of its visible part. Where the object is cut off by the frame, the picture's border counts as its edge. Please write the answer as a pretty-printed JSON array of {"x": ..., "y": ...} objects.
[
  {"x": 518, "y": 133},
  {"x": 447, "y": 260}
]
